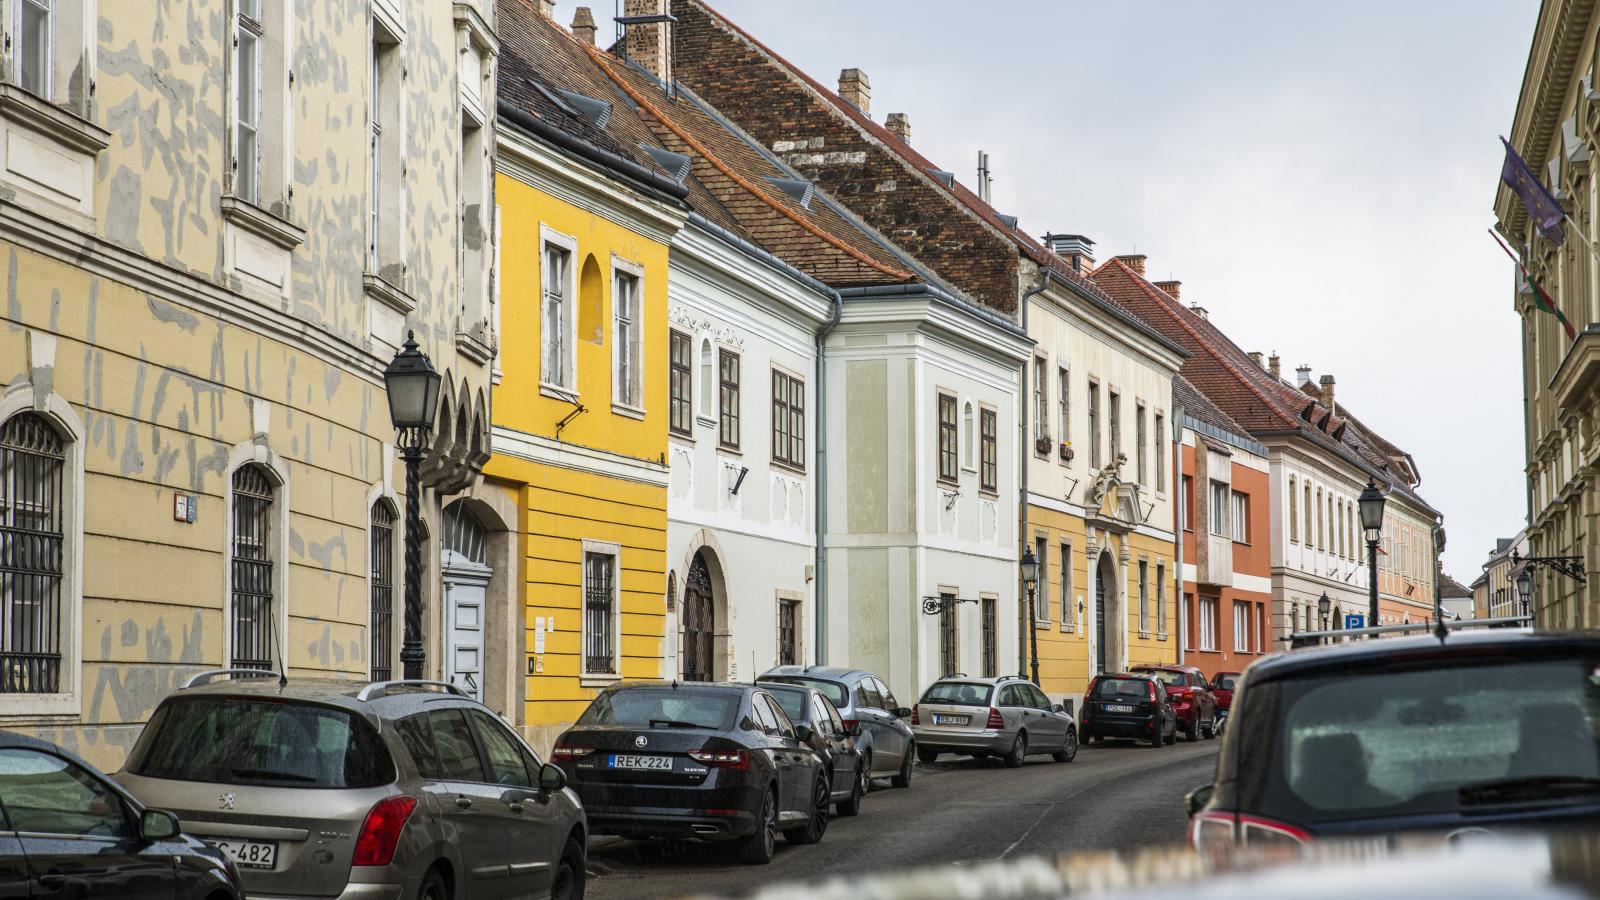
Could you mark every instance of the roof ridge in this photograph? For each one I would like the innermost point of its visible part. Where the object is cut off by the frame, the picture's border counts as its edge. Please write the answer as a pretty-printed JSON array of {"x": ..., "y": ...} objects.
[{"x": 644, "y": 102}]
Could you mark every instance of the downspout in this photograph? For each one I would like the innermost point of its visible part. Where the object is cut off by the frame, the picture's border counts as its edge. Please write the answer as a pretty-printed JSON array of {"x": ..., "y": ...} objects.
[
  {"x": 821, "y": 565},
  {"x": 1024, "y": 456},
  {"x": 1177, "y": 524}
]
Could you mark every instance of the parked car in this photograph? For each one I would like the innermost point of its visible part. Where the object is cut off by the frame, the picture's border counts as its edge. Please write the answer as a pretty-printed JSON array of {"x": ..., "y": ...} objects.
[
  {"x": 1128, "y": 705},
  {"x": 337, "y": 789},
  {"x": 861, "y": 697},
  {"x": 1223, "y": 686},
  {"x": 1479, "y": 732},
  {"x": 831, "y": 738},
  {"x": 68, "y": 831},
  {"x": 709, "y": 761},
  {"x": 1007, "y": 717},
  {"x": 1192, "y": 700}
]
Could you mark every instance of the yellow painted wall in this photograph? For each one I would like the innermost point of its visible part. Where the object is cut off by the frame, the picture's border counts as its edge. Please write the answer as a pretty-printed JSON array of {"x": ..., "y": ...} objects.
[{"x": 1154, "y": 648}]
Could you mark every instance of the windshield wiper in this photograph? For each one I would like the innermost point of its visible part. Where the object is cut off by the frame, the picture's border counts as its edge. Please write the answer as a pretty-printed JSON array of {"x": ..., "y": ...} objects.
[
  {"x": 1537, "y": 787},
  {"x": 271, "y": 774},
  {"x": 673, "y": 723}
]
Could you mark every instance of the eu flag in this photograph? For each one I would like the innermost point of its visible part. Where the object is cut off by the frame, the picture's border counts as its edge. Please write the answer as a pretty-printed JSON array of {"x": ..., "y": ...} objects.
[{"x": 1541, "y": 205}]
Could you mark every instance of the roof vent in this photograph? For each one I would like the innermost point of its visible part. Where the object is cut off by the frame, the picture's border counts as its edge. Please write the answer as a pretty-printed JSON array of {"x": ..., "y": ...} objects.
[
  {"x": 1010, "y": 221},
  {"x": 595, "y": 111},
  {"x": 948, "y": 179},
  {"x": 676, "y": 165},
  {"x": 799, "y": 191}
]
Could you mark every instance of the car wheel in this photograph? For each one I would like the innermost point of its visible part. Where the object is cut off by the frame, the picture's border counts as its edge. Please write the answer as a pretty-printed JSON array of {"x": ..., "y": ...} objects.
[
  {"x": 1085, "y": 736},
  {"x": 902, "y": 779},
  {"x": 852, "y": 806},
  {"x": 1160, "y": 735},
  {"x": 927, "y": 755},
  {"x": 1173, "y": 737},
  {"x": 1209, "y": 730},
  {"x": 434, "y": 888},
  {"x": 756, "y": 849},
  {"x": 1191, "y": 730},
  {"x": 817, "y": 825},
  {"x": 1019, "y": 751},
  {"x": 1070, "y": 750},
  {"x": 568, "y": 883}
]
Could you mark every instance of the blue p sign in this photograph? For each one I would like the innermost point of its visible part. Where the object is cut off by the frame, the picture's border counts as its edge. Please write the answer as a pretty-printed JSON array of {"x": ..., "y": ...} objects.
[{"x": 1355, "y": 620}]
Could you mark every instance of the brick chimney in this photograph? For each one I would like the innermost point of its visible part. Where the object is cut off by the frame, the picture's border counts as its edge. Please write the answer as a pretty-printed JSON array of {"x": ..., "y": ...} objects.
[
  {"x": 1074, "y": 248},
  {"x": 856, "y": 89},
  {"x": 1327, "y": 394},
  {"x": 1274, "y": 366},
  {"x": 548, "y": 9},
  {"x": 1134, "y": 261},
  {"x": 1170, "y": 288},
  {"x": 583, "y": 25},
  {"x": 899, "y": 125},
  {"x": 1302, "y": 376},
  {"x": 1255, "y": 357},
  {"x": 1200, "y": 311},
  {"x": 644, "y": 43}
]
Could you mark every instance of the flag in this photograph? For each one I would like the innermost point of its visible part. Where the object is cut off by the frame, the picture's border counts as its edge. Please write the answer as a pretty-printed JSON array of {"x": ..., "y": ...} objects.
[
  {"x": 1540, "y": 298},
  {"x": 1541, "y": 205}
]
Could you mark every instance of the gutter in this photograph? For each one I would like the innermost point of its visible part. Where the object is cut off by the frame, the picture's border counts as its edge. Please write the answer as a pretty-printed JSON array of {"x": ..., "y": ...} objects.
[
  {"x": 1177, "y": 523},
  {"x": 821, "y": 505},
  {"x": 618, "y": 165},
  {"x": 1024, "y": 456},
  {"x": 925, "y": 289}
]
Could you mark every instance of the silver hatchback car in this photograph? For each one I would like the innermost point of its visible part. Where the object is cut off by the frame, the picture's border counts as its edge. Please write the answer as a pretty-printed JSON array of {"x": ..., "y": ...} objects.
[
  {"x": 388, "y": 791},
  {"x": 1007, "y": 717}
]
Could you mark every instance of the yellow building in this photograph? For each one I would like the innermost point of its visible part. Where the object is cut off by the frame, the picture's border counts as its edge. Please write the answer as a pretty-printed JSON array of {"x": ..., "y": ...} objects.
[{"x": 580, "y": 413}]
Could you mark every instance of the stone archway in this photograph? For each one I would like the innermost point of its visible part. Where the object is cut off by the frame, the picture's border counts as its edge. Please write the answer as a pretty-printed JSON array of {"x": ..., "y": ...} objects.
[
  {"x": 1105, "y": 636},
  {"x": 703, "y": 619}
]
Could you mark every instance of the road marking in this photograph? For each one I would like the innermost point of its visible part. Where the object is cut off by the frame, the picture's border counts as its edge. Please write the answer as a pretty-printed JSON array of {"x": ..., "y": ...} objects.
[{"x": 1029, "y": 831}]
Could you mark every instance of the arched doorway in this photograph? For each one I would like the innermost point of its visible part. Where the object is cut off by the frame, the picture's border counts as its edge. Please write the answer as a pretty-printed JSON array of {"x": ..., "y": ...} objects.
[
  {"x": 699, "y": 616},
  {"x": 1105, "y": 601},
  {"x": 464, "y": 561}
]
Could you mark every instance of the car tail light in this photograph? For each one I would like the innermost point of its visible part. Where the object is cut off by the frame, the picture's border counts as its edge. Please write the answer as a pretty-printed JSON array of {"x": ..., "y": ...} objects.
[
  {"x": 851, "y": 724},
  {"x": 1211, "y": 832},
  {"x": 722, "y": 759},
  {"x": 380, "y": 832},
  {"x": 1152, "y": 686},
  {"x": 915, "y": 719},
  {"x": 564, "y": 752},
  {"x": 995, "y": 719}
]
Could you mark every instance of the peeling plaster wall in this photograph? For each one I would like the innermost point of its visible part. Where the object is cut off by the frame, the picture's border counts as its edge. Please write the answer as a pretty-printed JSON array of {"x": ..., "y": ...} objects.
[{"x": 162, "y": 367}]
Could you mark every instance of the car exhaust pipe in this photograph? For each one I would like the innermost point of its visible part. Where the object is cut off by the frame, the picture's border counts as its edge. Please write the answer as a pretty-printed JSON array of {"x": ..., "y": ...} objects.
[{"x": 704, "y": 829}]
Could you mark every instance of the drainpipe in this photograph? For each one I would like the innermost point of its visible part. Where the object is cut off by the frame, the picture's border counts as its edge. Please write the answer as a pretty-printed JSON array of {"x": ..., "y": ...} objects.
[
  {"x": 1177, "y": 523},
  {"x": 1025, "y": 455},
  {"x": 821, "y": 565}
]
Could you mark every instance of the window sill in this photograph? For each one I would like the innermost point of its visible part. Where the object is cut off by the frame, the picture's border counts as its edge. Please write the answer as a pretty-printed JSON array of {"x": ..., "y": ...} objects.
[
  {"x": 685, "y": 436},
  {"x": 557, "y": 392},
  {"x": 1145, "y": 635},
  {"x": 788, "y": 467},
  {"x": 1161, "y": 635},
  {"x": 729, "y": 450},
  {"x": 46, "y": 118},
  {"x": 280, "y": 232},
  {"x": 1067, "y": 629},
  {"x": 595, "y": 680},
  {"x": 388, "y": 293},
  {"x": 473, "y": 347},
  {"x": 62, "y": 707},
  {"x": 950, "y": 483},
  {"x": 631, "y": 412},
  {"x": 988, "y": 494}
]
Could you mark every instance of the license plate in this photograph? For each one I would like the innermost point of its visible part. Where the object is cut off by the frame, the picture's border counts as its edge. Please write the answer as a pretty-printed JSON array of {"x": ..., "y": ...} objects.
[
  {"x": 249, "y": 854},
  {"x": 621, "y": 761},
  {"x": 1118, "y": 708},
  {"x": 951, "y": 720}
]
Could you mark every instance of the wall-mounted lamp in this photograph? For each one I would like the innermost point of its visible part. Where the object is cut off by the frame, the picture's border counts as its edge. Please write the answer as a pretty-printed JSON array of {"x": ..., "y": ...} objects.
[
  {"x": 1073, "y": 488},
  {"x": 950, "y": 499},
  {"x": 743, "y": 471}
]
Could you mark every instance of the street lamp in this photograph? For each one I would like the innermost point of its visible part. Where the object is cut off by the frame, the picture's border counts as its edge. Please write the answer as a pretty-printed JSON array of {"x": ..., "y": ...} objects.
[
  {"x": 1323, "y": 605},
  {"x": 1030, "y": 580},
  {"x": 1525, "y": 588},
  {"x": 413, "y": 387},
  {"x": 1371, "y": 503}
]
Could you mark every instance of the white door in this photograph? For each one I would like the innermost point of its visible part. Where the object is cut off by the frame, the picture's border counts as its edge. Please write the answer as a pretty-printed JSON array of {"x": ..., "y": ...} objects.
[{"x": 464, "y": 633}]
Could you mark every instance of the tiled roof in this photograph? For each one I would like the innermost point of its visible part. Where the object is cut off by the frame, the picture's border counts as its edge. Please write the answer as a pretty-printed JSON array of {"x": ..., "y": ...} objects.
[
  {"x": 1196, "y": 406},
  {"x": 1451, "y": 589}
]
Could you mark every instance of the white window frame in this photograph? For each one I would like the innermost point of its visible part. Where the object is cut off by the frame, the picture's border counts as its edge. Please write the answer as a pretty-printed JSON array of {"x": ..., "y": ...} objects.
[
  {"x": 1068, "y": 613},
  {"x": 1219, "y": 498},
  {"x": 1207, "y": 630},
  {"x": 19, "y": 57},
  {"x": 1241, "y": 627},
  {"x": 1144, "y": 597},
  {"x": 1041, "y": 602},
  {"x": 1161, "y": 452},
  {"x": 253, "y": 29},
  {"x": 1064, "y": 409},
  {"x": 969, "y": 436},
  {"x": 627, "y": 351},
  {"x": 1041, "y": 399},
  {"x": 1161, "y": 599},
  {"x": 549, "y": 237},
  {"x": 1141, "y": 437},
  {"x": 1239, "y": 516},
  {"x": 242, "y": 455},
  {"x": 381, "y": 492},
  {"x": 585, "y": 677}
]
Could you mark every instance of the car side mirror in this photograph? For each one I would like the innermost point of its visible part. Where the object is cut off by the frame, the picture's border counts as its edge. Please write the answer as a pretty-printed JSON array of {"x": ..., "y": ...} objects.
[
  {"x": 1196, "y": 800},
  {"x": 551, "y": 778},
  {"x": 803, "y": 733},
  {"x": 902, "y": 712},
  {"x": 1056, "y": 707},
  {"x": 158, "y": 825}
]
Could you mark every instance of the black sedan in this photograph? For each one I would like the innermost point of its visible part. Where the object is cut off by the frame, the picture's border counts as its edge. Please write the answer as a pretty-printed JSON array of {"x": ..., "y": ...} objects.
[
  {"x": 831, "y": 738},
  {"x": 710, "y": 761},
  {"x": 68, "y": 831}
]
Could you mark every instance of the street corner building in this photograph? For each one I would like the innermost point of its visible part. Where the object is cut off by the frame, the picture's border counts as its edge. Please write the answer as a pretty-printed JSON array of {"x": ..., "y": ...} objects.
[{"x": 214, "y": 236}]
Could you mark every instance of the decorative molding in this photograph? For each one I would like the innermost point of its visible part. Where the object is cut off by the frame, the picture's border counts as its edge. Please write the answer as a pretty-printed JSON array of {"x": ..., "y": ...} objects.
[
  {"x": 37, "y": 114},
  {"x": 548, "y": 451},
  {"x": 474, "y": 348},
  {"x": 388, "y": 293},
  {"x": 252, "y": 218}
]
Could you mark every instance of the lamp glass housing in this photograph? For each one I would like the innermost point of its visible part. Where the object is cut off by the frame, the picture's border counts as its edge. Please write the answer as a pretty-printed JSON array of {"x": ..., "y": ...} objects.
[
  {"x": 1323, "y": 605},
  {"x": 1371, "y": 503},
  {"x": 413, "y": 388},
  {"x": 1525, "y": 584},
  {"x": 1030, "y": 568}
]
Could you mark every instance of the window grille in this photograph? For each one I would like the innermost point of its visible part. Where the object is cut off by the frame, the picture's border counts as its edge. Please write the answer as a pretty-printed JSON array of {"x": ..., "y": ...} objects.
[
  {"x": 991, "y": 648},
  {"x": 787, "y": 646},
  {"x": 252, "y": 569},
  {"x": 599, "y": 610},
  {"x": 32, "y": 459},
  {"x": 382, "y": 637},
  {"x": 947, "y": 634}
]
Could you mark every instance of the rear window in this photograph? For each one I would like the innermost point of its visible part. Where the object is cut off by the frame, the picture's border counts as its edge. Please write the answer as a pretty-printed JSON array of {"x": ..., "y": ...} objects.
[
  {"x": 1424, "y": 741},
  {"x": 1123, "y": 687},
  {"x": 1170, "y": 679},
  {"x": 836, "y": 693},
  {"x": 1225, "y": 682},
  {"x": 663, "y": 708},
  {"x": 958, "y": 693},
  {"x": 793, "y": 703},
  {"x": 241, "y": 740}
]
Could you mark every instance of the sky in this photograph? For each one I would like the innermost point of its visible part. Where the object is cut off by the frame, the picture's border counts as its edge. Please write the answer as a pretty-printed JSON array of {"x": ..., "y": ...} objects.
[{"x": 1318, "y": 175}]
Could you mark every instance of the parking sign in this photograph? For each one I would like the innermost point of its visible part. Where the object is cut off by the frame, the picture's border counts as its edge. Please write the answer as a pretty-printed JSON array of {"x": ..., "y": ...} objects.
[{"x": 1355, "y": 620}]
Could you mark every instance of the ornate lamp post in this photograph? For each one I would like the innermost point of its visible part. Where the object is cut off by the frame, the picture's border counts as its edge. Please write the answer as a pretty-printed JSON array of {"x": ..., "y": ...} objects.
[
  {"x": 1323, "y": 605},
  {"x": 413, "y": 387},
  {"x": 1525, "y": 588},
  {"x": 1371, "y": 504},
  {"x": 1030, "y": 580}
]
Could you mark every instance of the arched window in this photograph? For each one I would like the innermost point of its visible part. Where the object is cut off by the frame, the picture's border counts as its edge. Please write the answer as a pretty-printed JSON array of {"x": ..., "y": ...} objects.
[
  {"x": 383, "y": 581},
  {"x": 253, "y": 613},
  {"x": 591, "y": 302},
  {"x": 1294, "y": 512},
  {"x": 464, "y": 535},
  {"x": 968, "y": 426},
  {"x": 32, "y": 555}
]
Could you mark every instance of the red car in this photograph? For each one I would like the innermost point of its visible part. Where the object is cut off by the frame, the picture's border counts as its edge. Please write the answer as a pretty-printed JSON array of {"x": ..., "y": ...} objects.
[
  {"x": 1222, "y": 689},
  {"x": 1192, "y": 699}
]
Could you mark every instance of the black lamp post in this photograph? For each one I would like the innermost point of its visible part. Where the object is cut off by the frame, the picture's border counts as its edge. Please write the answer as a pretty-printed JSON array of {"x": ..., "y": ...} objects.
[
  {"x": 1323, "y": 605},
  {"x": 1525, "y": 588},
  {"x": 1030, "y": 580},
  {"x": 1371, "y": 504},
  {"x": 413, "y": 388}
]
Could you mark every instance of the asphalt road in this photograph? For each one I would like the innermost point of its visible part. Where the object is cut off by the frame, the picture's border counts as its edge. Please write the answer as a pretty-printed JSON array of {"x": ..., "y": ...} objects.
[{"x": 1115, "y": 796}]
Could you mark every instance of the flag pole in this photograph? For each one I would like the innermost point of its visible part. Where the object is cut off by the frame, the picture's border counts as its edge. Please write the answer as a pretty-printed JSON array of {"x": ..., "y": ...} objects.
[{"x": 1539, "y": 294}]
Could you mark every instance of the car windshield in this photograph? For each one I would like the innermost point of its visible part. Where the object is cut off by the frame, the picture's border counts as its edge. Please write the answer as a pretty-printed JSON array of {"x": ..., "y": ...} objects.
[
  {"x": 663, "y": 708},
  {"x": 1226, "y": 682},
  {"x": 1170, "y": 679},
  {"x": 1426, "y": 740},
  {"x": 833, "y": 690},
  {"x": 958, "y": 693},
  {"x": 1123, "y": 687},
  {"x": 793, "y": 703},
  {"x": 242, "y": 740}
]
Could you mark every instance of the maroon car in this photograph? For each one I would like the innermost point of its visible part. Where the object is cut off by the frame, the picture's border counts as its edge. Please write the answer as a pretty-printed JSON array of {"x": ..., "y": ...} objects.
[
  {"x": 1222, "y": 689},
  {"x": 1192, "y": 699}
]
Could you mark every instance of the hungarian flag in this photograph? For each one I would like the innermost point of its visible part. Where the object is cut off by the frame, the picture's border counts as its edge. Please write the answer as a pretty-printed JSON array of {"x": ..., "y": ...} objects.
[
  {"x": 1542, "y": 206},
  {"x": 1540, "y": 298}
]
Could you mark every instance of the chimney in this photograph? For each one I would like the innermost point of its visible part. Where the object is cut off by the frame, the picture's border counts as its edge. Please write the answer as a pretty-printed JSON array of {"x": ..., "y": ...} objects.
[
  {"x": 1170, "y": 288},
  {"x": 1302, "y": 375},
  {"x": 1274, "y": 366},
  {"x": 1255, "y": 357},
  {"x": 583, "y": 25},
  {"x": 899, "y": 125},
  {"x": 643, "y": 41},
  {"x": 856, "y": 90},
  {"x": 1199, "y": 310},
  {"x": 1327, "y": 394},
  {"x": 1134, "y": 261},
  {"x": 548, "y": 9},
  {"x": 1074, "y": 248}
]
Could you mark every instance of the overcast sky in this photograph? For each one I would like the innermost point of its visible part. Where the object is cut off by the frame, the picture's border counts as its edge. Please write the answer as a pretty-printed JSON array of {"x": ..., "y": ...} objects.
[{"x": 1318, "y": 175}]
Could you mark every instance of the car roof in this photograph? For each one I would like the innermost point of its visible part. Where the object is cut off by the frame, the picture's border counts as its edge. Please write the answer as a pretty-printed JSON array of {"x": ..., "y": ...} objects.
[
  {"x": 676, "y": 685},
  {"x": 399, "y": 701},
  {"x": 982, "y": 679},
  {"x": 1136, "y": 676},
  {"x": 831, "y": 672},
  {"x": 1165, "y": 667},
  {"x": 1477, "y": 644}
]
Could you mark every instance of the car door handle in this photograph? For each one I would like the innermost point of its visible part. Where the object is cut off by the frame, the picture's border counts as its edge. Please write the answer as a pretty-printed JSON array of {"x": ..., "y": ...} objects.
[
  {"x": 464, "y": 802},
  {"x": 515, "y": 807},
  {"x": 53, "y": 880}
]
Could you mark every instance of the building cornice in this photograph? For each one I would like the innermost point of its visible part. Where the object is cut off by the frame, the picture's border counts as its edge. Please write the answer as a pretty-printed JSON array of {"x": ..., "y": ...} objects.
[
  {"x": 579, "y": 184},
  {"x": 1559, "y": 35},
  {"x": 548, "y": 451}
]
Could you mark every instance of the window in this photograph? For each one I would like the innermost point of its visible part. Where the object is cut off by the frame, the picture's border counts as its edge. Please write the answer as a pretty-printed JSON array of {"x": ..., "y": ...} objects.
[
  {"x": 1067, "y": 616},
  {"x": 1139, "y": 448},
  {"x": 1094, "y": 425},
  {"x": 33, "y": 50},
  {"x": 948, "y": 657},
  {"x": 555, "y": 349},
  {"x": 708, "y": 383},
  {"x": 472, "y": 244},
  {"x": 991, "y": 648},
  {"x": 1041, "y": 606},
  {"x": 507, "y": 768},
  {"x": 788, "y": 419},
  {"x": 1306, "y": 512},
  {"x": 1208, "y": 623},
  {"x": 1219, "y": 509},
  {"x": 989, "y": 471},
  {"x": 1186, "y": 502},
  {"x": 1114, "y": 422},
  {"x": 46, "y": 794},
  {"x": 1063, "y": 405},
  {"x": 253, "y": 616},
  {"x": 1294, "y": 521},
  {"x": 679, "y": 383},
  {"x": 382, "y": 614},
  {"x": 32, "y": 541},
  {"x": 1339, "y": 534},
  {"x": 455, "y": 755},
  {"x": 969, "y": 438},
  {"x": 384, "y": 161},
  {"x": 1144, "y": 597},
  {"x": 1241, "y": 518},
  {"x": 788, "y": 646},
  {"x": 1241, "y": 627},
  {"x": 627, "y": 327},
  {"x": 1161, "y": 452},
  {"x": 599, "y": 614},
  {"x": 947, "y": 438},
  {"x": 1041, "y": 400},
  {"x": 1161, "y": 598},
  {"x": 728, "y": 398},
  {"x": 247, "y": 101},
  {"x": 1322, "y": 526}
]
